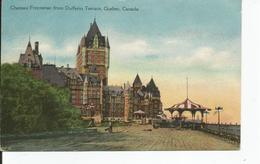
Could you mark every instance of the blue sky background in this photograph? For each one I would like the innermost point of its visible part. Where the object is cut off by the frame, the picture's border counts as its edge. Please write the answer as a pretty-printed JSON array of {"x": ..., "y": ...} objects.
[{"x": 166, "y": 39}]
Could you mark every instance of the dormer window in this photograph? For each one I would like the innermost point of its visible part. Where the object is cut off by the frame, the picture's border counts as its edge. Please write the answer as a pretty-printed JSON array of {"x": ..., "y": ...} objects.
[{"x": 95, "y": 42}]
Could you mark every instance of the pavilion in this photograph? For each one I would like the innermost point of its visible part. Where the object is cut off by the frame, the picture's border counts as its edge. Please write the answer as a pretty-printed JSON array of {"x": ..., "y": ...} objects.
[
  {"x": 140, "y": 117},
  {"x": 190, "y": 106},
  {"x": 139, "y": 114}
]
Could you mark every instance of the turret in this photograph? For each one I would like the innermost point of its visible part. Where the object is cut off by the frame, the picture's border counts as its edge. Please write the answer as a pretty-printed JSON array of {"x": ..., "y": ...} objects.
[
  {"x": 36, "y": 47},
  {"x": 137, "y": 82}
]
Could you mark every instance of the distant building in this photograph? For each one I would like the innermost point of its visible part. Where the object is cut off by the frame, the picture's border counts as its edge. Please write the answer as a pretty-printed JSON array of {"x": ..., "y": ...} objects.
[
  {"x": 94, "y": 49},
  {"x": 92, "y": 96},
  {"x": 104, "y": 102},
  {"x": 114, "y": 103},
  {"x": 152, "y": 95},
  {"x": 120, "y": 103},
  {"x": 32, "y": 59},
  {"x": 92, "y": 63},
  {"x": 128, "y": 102},
  {"x": 145, "y": 98},
  {"x": 88, "y": 82},
  {"x": 74, "y": 81},
  {"x": 52, "y": 75}
]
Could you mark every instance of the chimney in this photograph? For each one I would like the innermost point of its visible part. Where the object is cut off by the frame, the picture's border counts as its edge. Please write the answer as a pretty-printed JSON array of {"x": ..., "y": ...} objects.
[
  {"x": 36, "y": 47},
  {"x": 68, "y": 66}
]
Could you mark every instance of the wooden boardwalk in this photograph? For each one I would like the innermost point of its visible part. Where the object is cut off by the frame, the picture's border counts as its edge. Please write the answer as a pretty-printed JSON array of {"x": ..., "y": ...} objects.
[{"x": 127, "y": 138}]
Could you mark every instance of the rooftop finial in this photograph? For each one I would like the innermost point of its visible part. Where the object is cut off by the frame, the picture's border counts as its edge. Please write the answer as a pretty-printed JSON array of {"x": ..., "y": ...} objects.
[{"x": 29, "y": 42}]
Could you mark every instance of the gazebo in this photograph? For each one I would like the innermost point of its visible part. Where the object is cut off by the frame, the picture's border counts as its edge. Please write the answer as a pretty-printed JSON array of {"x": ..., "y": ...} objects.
[
  {"x": 190, "y": 106},
  {"x": 139, "y": 114}
]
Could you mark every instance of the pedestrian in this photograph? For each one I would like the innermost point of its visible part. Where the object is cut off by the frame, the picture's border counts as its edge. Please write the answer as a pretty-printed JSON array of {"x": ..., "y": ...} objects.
[{"x": 110, "y": 127}]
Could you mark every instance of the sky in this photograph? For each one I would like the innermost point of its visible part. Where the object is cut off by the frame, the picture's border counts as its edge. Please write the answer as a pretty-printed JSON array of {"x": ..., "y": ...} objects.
[{"x": 168, "y": 40}]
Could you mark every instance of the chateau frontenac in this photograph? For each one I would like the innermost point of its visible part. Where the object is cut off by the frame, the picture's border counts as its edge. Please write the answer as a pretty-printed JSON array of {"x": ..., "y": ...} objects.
[
  {"x": 88, "y": 82},
  {"x": 94, "y": 51}
]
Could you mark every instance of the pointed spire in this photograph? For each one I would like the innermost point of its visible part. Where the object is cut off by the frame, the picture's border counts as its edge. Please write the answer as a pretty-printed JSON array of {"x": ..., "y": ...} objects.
[
  {"x": 151, "y": 85},
  {"x": 93, "y": 30},
  {"x": 28, "y": 49},
  {"x": 137, "y": 81},
  {"x": 29, "y": 42}
]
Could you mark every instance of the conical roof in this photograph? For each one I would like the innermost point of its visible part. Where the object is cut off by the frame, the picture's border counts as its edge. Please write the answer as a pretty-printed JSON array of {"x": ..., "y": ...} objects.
[
  {"x": 29, "y": 49},
  {"x": 137, "y": 81},
  {"x": 153, "y": 89},
  {"x": 29, "y": 44},
  {"x": 151, "y": 85},
  {"x": 190, "y": 105},
  {"x": 93, "y": 31}
]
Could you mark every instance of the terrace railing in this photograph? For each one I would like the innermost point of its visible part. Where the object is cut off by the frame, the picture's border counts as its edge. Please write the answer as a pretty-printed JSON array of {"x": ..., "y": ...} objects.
[{"x": 229, "y": 131}]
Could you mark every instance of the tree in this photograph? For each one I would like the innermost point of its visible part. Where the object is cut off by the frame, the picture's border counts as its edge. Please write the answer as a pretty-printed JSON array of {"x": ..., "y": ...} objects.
[{"x": 30, "y": 105}]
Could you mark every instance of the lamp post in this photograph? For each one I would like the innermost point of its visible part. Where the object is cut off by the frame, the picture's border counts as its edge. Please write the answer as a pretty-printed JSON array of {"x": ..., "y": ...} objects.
[
  {"x": 171, "y": 111},
  {"x": 218, "y": 110},
  {"x": 206, "y": 114},
  {"x": 113, "y": 105}
]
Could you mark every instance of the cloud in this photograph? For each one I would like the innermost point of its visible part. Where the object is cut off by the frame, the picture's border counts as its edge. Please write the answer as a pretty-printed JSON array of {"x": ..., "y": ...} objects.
[
  {"x": 127, "y": 46},
  {"x": 135, "y": 47},
  {"x": 174, "y": 53},
  {"x": 209, "y": 59}
]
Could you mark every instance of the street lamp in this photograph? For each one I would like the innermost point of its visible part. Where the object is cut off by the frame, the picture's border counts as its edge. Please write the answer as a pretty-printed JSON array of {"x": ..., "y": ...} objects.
[
  {"x": 206, "y": 114},
  {"x": 113, "y": 106},
  {"x": 218, "y": 110}
]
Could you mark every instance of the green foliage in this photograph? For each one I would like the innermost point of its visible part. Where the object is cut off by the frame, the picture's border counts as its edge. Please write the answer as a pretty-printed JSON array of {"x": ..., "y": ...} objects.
[{"x": 30, "y": 105}]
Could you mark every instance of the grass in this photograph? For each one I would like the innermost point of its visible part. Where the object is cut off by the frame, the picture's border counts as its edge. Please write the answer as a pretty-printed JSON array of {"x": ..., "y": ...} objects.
[{"x": 136, "y": 137}]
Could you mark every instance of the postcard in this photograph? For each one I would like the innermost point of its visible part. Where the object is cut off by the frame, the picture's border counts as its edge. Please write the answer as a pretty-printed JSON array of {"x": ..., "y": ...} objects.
[{"x": 119, "y": 75}]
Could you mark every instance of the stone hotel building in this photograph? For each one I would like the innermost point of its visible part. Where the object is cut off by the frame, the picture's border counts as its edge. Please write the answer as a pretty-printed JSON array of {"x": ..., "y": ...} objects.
[{"x": 88, "y": 82}]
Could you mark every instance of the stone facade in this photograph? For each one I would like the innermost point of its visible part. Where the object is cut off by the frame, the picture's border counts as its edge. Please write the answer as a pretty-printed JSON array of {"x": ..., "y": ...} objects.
[
  {"x": 114, "y": 103},
  {"x": 32, "y": 59},
  {"x": 74, "y": 81},
  {"x": 145, "y": 98},
  {"x": 104, "y": 102},
  {"x": 92, "y": 63},
  {"x": 88, "y": 82},
  {"x": 120, "y": 103},
  {"x": 128, "y": 102},
  {"x": 92, "y": 97},
  {"x": 94, "y": 49}
]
